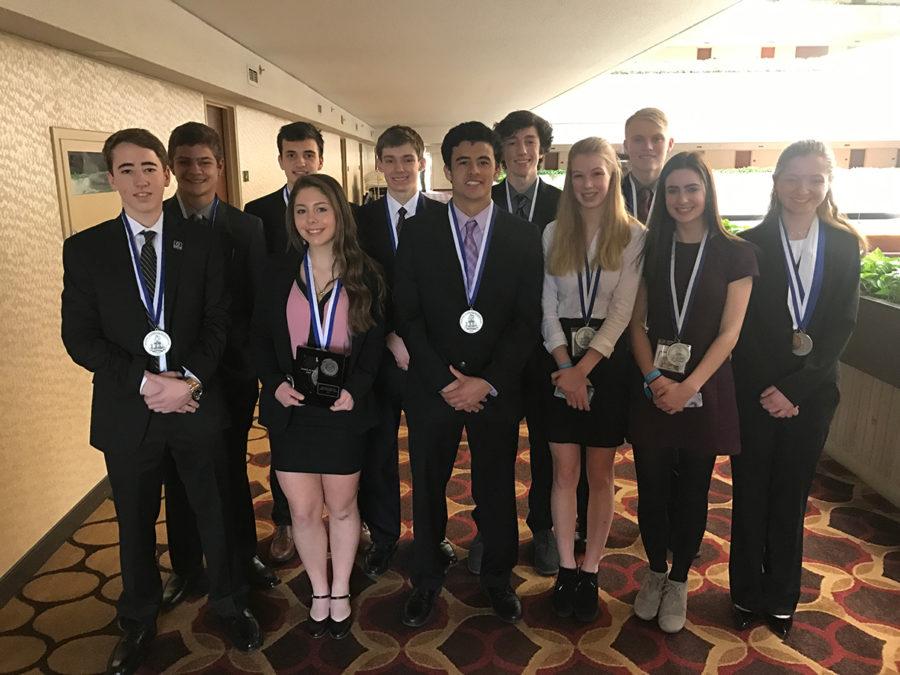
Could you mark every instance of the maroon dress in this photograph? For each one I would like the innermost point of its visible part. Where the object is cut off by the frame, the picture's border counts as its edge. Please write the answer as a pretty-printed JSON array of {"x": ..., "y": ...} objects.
[{"x": 713, "y": 428}]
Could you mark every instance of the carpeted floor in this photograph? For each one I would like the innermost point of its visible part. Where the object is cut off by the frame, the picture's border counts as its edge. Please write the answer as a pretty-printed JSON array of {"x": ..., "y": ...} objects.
[{"x": 848, "y": 620}]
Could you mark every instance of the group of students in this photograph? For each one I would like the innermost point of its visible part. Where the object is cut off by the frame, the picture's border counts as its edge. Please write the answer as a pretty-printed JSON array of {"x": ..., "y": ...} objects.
[{"x": 616, "y": 309}]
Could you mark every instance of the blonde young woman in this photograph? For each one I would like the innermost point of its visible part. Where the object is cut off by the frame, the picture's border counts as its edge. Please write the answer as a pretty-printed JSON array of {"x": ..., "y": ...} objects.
[
  {"x": 801, "y": 315},
  {"x": 590, "y": 282},
  {"x": 324, "y": 293}
]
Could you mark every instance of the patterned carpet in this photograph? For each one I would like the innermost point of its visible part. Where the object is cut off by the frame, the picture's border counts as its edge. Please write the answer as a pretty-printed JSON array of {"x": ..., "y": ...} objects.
[{"x": 848, "y": 620}]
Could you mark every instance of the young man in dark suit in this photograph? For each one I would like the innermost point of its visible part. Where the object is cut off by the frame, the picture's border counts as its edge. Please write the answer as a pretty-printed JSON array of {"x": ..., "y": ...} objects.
[
  {"x": 197, "y": 160},
  {"x": 467, "y": 294},
  {"x": 145, "y": 309},
  {"x": 647, "y": 144},
  {"x": 300, "y": 151},
  {"x": 525, "y": 139},
  {"x": 399, "y": 155}
]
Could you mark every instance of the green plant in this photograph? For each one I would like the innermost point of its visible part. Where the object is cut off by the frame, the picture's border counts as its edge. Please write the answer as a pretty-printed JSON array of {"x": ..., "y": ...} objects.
[
  {"x": 880, "y": 276},
  {"x": 733, "y": 228}
]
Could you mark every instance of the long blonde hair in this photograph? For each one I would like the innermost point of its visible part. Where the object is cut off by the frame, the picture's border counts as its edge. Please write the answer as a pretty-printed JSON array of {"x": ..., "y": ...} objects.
[
  {"x": 827, "y": 211},
  {"x": 568, "y": 246}
]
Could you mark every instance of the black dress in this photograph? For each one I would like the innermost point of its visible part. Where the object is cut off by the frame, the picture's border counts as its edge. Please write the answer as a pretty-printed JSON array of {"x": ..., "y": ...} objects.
[{"x": 713, "y": 428}]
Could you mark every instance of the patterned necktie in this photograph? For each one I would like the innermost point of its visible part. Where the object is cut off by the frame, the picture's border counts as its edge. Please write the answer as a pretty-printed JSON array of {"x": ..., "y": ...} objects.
[
  {"x": 471, "y": 247},
  {"x": 401, "y": 218},
  {"x": 522, "y": 206},
  {"x": 644, "y": 198},
  {"x": 148, "y": 272}
]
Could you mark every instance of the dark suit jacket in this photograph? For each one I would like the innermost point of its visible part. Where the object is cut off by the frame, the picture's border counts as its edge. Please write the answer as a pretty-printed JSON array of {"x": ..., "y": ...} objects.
[
  {"x": 429, "y": 297},
  {"x": 544, "y": 209},
  {"x": 375, "y": 238},
  {"x": 271, "y": 340},
  {"x": 243, "y": 245},
  {"x": 104, "y": 324},
  {"x": 272, "y": 211},
  {"x": 763, "y": 355}
]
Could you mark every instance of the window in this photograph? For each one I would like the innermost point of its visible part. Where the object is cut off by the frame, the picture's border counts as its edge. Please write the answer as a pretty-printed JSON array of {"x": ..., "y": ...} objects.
[
  {"x": 767, "y": 53},
  {"x": 704, "y": 53},
  {"x": 810, "y": 52}
]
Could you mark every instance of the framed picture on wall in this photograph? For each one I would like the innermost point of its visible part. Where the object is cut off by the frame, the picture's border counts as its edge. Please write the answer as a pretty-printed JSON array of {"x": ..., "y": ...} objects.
[{"x": 85, "y": 196}]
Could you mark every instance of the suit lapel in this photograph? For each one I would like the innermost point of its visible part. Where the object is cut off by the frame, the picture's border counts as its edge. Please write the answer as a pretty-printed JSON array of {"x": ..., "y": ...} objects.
[
  {"x": 173, "y": 246},
  {"x": 283, "y": 336},
  {"x": 121, "y": 266}
]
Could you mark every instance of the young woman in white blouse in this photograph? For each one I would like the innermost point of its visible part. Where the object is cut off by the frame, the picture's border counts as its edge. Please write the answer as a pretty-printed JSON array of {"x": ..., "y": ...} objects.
[{"x": 590, "y": 282}]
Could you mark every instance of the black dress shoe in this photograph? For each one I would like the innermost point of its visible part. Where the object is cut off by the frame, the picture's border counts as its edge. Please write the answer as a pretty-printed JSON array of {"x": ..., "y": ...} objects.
[
  {"x": 131, "y": 648},
  {"x": 418, "y": 607},
  {"x": 261, "y": 575},
  {"x": 564, "y": 591},
  {"x": 781, "y": 627},
  {"x": 243, "y": 631},
  {"x": 316, "y": 628},
  {"x": 586, "y": 601},
  {"x": 743, "y": 618},
  {"x": 378, "y": 559},
  {"x": 448, "y": 554},
  {"x": 178, "y": 587},
  {"x": 341, "y": 629},
  {"x": 506, "y": 604}
]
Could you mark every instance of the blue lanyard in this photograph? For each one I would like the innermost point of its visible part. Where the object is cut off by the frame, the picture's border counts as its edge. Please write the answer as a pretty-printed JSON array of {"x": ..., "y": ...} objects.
[
  {"x": 803, "y": 307},
  {"x": 154, "y": 311},
  {"x": 420, "y": 204},
  {"x": 472, "y": 285},
  {"x": 321, "y": 333},
  {"x": 593, "y": 282}
]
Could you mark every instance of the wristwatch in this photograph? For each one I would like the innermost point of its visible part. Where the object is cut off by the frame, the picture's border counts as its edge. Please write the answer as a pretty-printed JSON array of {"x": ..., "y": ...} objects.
[{"x": 195, "y": 387}]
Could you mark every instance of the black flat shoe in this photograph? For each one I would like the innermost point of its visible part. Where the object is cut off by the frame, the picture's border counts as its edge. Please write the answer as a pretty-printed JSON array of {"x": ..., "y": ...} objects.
[
  {"x": 130, "y": 650},
  {"x": 506, "y": 604},
  {"x": 781, "y": 627},
  {"x": 743, "y": 618},
  {"x": 261, "y": 575},
  {"x": 243, "y": 631},
  {"x": 178, "y": 587},
  {"x": 564, "y": 592},
  {"x": 340, "y": 629},
  {"x": 417, "y": 608},
  {"x": 378, "y": 559},
  {"x": 316, "y": 628},
  {"x": 586, "y": 602}
]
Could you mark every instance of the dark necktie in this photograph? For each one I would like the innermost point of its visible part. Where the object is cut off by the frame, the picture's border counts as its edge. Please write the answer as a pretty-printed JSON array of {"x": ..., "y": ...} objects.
[
  {"x": 148, "y": 272},
  {"x": 197, "y": 219},
  {"x": 644, "y": 198},
  {"x": 401, "y": 218},
  {"x": 522, "y": 206}
]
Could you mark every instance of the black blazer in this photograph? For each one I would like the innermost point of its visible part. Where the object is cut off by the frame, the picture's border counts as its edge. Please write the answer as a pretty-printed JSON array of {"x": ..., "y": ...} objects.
[
  {"x": 544, "y": 209},
  {"x": 375, "y": 238},
  {"x": 763, "y": 354},
  {"x": 429, "y": 297},
  {"x": 241, "y": 239},
  {"x": 271, "y": 341},
  {"x": 272, "y": 211},
  {"x": 104, "y": 324}
]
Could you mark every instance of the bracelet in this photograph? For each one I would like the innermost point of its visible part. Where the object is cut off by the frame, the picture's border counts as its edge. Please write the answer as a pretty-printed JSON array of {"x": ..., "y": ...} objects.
[
  {"x": 652, "y": 375},
  {"x": 563, "y": 366}
]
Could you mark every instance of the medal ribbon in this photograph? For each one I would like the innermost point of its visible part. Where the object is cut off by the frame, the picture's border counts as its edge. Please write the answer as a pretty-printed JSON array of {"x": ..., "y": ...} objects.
[
  {"x": 593, "y": 285},
  {"x": 634, "y": 198},
  {"x": 680, "y": 315},
  {"x": 286, "y": 193},
  {"x": 153, "y": 306},
  {"x": 472, "y": 285},
  {"x": 392, "y": 229},
  {"x": 533, "y": 199},
  {"x": 321, "y": 333},
  {"x": 801, "y": 304}
]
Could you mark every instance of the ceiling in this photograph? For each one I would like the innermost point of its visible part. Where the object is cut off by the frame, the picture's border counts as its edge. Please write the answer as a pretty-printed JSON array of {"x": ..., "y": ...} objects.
[{"x": 430, "y": 63}]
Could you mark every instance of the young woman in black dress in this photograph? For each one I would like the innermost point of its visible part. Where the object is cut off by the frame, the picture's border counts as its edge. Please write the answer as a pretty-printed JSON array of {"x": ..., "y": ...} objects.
[
  {"x": 324, "y": 293},
  {"x": 590, "y": 281},
  {"x": 802, "y": 312},
  {"x": 687, "y": 317}
]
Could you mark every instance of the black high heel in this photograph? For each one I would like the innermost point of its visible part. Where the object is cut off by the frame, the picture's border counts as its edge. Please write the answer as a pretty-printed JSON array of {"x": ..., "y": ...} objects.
[
  {"x": 341, "y": 629},
  {"x": 317, "y": 628}
]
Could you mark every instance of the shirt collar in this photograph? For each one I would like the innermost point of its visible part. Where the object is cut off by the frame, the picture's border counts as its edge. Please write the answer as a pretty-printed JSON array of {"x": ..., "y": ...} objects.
[
  {"x": 528, "y": 192},
  {"x": 480, "y": 218},
  {"x": 137, "y": 228},
  {"x": 205, "y": 212},
  {"x": 410, "y": 206},
  {"x": 638, "y": 185}
]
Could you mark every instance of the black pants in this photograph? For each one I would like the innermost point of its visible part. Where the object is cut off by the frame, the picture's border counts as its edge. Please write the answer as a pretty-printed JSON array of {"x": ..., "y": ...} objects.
[
  {"x": 136, "y": 479},
  {"x": 435, "y": 430},
  {"x": 771, "y": 480},
  {"x": 379, "y": 482},
  {"x": 181, "y": 523},
  {"x": 539, "y": 516},
  {"x": 684, "y": 529}
]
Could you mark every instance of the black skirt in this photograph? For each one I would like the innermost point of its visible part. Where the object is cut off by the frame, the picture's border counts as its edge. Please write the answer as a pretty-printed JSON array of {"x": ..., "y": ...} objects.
[
  {"x": 317, "y": 449},
  {"x": 604, "y": 425}
]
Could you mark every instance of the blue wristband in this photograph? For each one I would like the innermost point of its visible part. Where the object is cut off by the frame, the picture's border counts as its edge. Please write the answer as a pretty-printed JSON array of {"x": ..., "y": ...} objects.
[
  {"x": 652, "y": 375},
  {"x": 563, "y": 366}
]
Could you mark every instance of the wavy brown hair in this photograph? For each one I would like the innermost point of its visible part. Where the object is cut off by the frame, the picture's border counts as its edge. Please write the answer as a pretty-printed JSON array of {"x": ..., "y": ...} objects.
[
  {"x": 359, "y": 274},
  {"x": 827, "y": 211},
  {"x": 568, "y": 246}
]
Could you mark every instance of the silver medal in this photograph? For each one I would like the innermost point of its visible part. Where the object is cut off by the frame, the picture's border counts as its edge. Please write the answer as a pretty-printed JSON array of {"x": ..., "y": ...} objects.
[
  {"x": 679, "y": 354},
  {"x": 801, "y": 343},
  {"x": 157, "y": 342},
  {"x": 471, "y": 321},
  {"x": 329, "y": 367},
  {"x": 584, "y": 336}
]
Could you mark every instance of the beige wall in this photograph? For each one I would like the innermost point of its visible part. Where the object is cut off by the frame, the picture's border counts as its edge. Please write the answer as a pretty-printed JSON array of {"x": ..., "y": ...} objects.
[
  {"x": 881, "y": 157},
  {"x": 258, "y": 151},
  {"x": 44, "y": 403},
  {"x": 333, "y": 165}
]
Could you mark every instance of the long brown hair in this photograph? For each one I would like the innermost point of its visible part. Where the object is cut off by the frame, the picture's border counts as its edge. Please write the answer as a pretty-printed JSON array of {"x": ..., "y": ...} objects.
[
  {"x": 351, "y": 264},
  {"x": 568, "y": 246},
  {"x": 827, "y": 211},
  {"x": 661, "y": 225}
]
